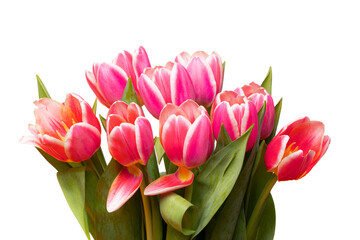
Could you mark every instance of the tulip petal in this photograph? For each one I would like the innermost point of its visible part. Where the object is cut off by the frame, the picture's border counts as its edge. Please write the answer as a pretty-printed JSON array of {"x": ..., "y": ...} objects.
[
  {"x": 199, "y": 142},
  {"x": 168, "y": 183},
  {"x": 216, "y": 66},
  {"x": 181, "y": 86},
  {"x": 122, "y": 144},
  {"x": 224, "y": 115},
  {"x": 118, "y": 108},
  {"x": 113, "y": 121},
  {"x": 192, "y": 110},
  {"x": 125, "y": 61},
  {"x": 269, "y": 118},
  {"x": 248, "y": 119},
  {"x": 161, "y": 79},
  {"x": 203, "y": 81},
  {"x": 82, "y": 141},
  {"x": 308, "y": 136},
  {"x": 111, "y": 82},
  {"x": 123, "y": 187},
  {"x": 293, "y": 166},
  {"x": 287, "y": 129},
  {"x": 173, "y": 136},
  {"x": 90, "y": 77},
  {"x": 144, "y": 138},
  {"x": 324, "y": 148},
  {"x": 133, "y": 112},
  {"x": 151, "y": 95},
  {"x": 183, "y": 59},
  {"x": 275, "y": 151},
  {"x": 140, "y": 61}
]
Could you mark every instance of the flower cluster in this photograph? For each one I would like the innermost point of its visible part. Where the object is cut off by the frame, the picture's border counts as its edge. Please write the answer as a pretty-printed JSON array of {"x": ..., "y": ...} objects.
[{"x": 194, "y": 116}]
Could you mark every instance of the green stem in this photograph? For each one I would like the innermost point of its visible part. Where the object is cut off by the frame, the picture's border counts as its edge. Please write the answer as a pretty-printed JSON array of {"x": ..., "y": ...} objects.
[
  {"x": 147, "y": 205},
  {"x": 89, "y": 163},
  {"x": 188, "y": 192},
  {"x": 254, "y": 220}
]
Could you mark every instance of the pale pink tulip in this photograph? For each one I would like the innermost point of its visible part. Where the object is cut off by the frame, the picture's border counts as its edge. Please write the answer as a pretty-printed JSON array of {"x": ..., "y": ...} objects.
[
  {"x": 186, "y": 135},
  {"x": 108, "y": 81},
  {"x": 296, "y": 149},
  {"x": 258, "y": 95},
  {"x": 237, "y": 114},
  {"x": 130, "y": 142},
  {"x": 70, "y": 131}
]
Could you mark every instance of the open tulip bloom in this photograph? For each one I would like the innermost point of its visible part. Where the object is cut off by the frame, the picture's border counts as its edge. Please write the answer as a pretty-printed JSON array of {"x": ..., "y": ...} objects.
[{"x": 218, "y": 151}]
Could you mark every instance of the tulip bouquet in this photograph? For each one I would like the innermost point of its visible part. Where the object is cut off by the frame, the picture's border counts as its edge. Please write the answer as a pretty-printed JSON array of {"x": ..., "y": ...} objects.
[{"x": 218, "y": 151}]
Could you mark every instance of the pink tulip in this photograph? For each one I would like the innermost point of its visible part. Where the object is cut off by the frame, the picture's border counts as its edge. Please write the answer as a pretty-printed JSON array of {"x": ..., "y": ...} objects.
[
  {"x": 296, "y": 149},
  {"x": 130, "y": 142},
  {"x": 206, "y": 73},
  {"x": 108, "y": 81},
  {"x": 70, "y": 131},
  {"x": 258, "y": 95},
  {"x": 237, "y": 114},
  {"x": 186, "y": 135}
]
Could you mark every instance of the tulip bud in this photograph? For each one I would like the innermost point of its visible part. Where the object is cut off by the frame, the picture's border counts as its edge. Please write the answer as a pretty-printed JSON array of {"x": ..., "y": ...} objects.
[
  {"x": 237, "y": 114},
  {"x": 130, "y": 141},
  {"x": 186, "y": 135},
  {"x": 258, "y": 95},
  {"x": 296, "y": 149},
  {"x": 108, "y": 81}
]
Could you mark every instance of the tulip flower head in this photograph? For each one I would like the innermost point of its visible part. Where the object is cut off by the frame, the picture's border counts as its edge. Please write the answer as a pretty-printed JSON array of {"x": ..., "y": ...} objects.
[
  {"x": 69, "y": 131},
  {"x": 108, "y": 80},
  {"x": 206, "y": 74},
  {"x": 130, "y": 142},
  {"x": 258, "y": 95},
  {"x": 237, "y": 114},
  {"x": 296, "y": 149},
  {"x": 186, "y": 136}
]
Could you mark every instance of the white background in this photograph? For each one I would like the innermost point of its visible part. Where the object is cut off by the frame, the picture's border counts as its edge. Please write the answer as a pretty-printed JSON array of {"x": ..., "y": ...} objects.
[{"x": 312, "y": 46}]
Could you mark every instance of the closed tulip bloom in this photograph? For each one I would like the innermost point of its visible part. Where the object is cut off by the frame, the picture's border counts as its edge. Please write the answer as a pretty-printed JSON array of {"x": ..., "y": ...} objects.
[
  {"x": 237, "y": 114},
  {"x": 206, "y": 74},
  {"x": 186, "y": 136},
  {"x": 130, "y": 142},
  {"x": 108, "y": 80},
  {"x": 69, "y": 131},
  {"x": 296, "y": 149},
  {"x": 258, "y": 95}
]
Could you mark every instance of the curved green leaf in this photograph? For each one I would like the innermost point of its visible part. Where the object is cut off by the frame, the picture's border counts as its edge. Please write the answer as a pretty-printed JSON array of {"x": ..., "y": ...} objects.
[
  {"x": 266, "y": 229},
  {"x": 58, "y": 165},
  {"x": 240, "y": 230},
  {"x": 268, "y": 81},
  {"x": 43, "y": 93},
  {"x": 216, "y": 180},
  {"x": 72, "y": 183},
  {"x": 178, "y": 212},
  {"x": 125, "y": 223},
  {"x": 276, "y": 121},
  {"x": 129, "y": 94},
  {"x": 94, "y": 107}
]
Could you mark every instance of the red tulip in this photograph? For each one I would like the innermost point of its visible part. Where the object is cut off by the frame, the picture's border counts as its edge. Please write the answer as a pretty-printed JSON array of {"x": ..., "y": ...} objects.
[
  {"x": 258, "y": 95},
  {"x": 186, "y": 135},
  {"x": 108, "y": 81},
  {"x": 130, "y": 141},
  {"x": 296, "y": 149},
  {"x": 70, "y": 131},
  {"x": 237, "y": 114}
]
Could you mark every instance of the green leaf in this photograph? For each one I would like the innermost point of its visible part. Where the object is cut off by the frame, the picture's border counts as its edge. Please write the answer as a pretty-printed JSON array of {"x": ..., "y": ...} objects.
[
  {"x": 224, "y": 63},
  {"x": 129, "y": 94},
  {"x": 259, "y": 179},
  {"x": 152, "y": 167},
  {"x": 72, "y": 183},
  {"x": 223, "y": 139},
  {"x": 268, "y": 81},
  {"x": 216, "y": 180},
  {"x": 58, "y": 165},
  {"x": 158, "y": 149},
  {"x": 43, "y": 93},
  {"x": 125, "y": 223},
  {"x": 169, "y": 166},
  {"x": 91, "y": 181},
  {"x": 276, "y": 121},
  {"x": 178, "y": 212},
  {"x": 240, "y": 230},
  {"x": 266, "y": 229},
  {"x": 94, "y": 107},
  {"x": 103, "y": 121}
]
